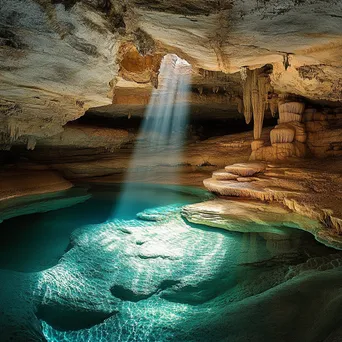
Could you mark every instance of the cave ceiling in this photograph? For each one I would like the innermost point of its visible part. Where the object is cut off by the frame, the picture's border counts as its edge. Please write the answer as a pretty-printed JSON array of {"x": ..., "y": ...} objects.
[{"x": 58, "y": 58}]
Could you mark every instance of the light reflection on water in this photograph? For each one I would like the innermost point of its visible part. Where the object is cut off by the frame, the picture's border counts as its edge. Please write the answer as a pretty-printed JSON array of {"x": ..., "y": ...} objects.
[
  {"x": 171, "y": 270},
  {"x": 125, "y": 279}
]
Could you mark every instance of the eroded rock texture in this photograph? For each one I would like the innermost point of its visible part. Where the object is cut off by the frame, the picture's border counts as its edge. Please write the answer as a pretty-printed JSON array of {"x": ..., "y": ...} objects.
[
  {"x": 308, "y": 188},
  {"x": 59, "y": 58},
  {"x": 55, "y": 63}
]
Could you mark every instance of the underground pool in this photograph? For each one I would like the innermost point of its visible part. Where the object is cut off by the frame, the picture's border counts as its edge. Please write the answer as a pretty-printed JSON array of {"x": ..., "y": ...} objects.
[{"x": 86, "y": 274}]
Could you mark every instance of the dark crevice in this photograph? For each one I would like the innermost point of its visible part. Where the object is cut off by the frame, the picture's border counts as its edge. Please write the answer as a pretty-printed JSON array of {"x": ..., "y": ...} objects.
[
  {"x": 125, "y": 294},
  {"x": 70, "y": 319}
]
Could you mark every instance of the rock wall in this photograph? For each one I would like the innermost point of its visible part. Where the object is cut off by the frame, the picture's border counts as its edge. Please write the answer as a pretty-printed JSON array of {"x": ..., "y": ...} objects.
[
  {"x": 58, "y": 58},
  {"x": 324, "y": 131}
]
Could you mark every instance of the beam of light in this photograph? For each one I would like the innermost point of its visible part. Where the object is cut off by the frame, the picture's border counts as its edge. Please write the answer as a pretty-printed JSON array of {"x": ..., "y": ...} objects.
[{"x": 162, "y": 135}]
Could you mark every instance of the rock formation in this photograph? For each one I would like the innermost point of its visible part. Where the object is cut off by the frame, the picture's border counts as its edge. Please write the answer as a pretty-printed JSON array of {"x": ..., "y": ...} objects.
[
  {"x": 256, "y": 86},
  {"x": 264, "y": 132},
  {"x": 293, "y": 187},
  {"x": 94, "y": 53},
  {"x": 287, "y": 138}
]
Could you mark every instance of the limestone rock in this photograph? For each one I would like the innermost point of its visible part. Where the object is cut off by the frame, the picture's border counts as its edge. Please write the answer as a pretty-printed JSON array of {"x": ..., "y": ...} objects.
[
  {"x": 288, "y": 117},
  {"x": 256, "y": 144},
  {"x": 291, "y": 107},
  {"x": 290, "y": 111},
  {"x": 313, "y": 191},
  {"x": 246, "y": 169},
  {"x": 224, "y": 175},
  {"x": 247, "y": 216},
  {"x": 301, "y": 135},
  {"x": 308, "y": 114},
  {"x": 282, "y": 134},
  {"x": 316, "y": 126},
  {"x": 325, "y": 142},
  {"x": 278, "y": 151},
  {"x": 87, "y": 136},
  {"x": 55, "y": 64},
  {"x": 300, "y": 149}
]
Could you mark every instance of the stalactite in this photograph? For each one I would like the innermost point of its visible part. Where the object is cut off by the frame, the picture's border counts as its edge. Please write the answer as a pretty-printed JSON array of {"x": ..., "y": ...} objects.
[
  {"x": 13, "y": 130},
  {"x": 239, "y": 103},
  {"x": 260, "y": 102},
  {"x": 31, "y": 143},
  {"x": 286, "y": 62},
  {"x": 273, "y": 105},
  {"x": 216, "y": 89},
  {"x": 200, "y": 90},
  {"x": 255, "y": 96},
  {"x": 243, "y": 73},
  {"x": 290, "y": 111},
  {"x": 247, "y": 96}
]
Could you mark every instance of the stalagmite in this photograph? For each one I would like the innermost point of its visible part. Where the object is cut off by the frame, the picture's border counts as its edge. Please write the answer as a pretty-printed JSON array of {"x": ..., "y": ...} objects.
[
  {"x": 282, "y": 134},
  {"x": 292, "y": 107},
  {"x": 256, "y": 144},
  {"x": 301, "y": 135},
  {"x": 290, "y": 111}
]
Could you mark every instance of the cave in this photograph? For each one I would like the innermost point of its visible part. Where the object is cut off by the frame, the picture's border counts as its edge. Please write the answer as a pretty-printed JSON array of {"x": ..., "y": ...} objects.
[{"x": 170, "y": 171}]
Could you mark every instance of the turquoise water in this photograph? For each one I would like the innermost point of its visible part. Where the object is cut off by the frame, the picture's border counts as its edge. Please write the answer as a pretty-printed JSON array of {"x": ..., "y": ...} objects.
[{"x": 82, "y": 274}]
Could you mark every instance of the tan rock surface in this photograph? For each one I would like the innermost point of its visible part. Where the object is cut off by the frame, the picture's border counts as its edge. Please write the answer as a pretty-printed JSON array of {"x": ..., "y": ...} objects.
[
  {"x": 58, "y": 60},
  {"x": 86, "y": 136},
  {"x": 55, "y": 64},
  {"x": 23, "y": 183},
  {"x": 282, "y": 134},
  {"x": 27, "y": 192},
  {"x": 207, "y": 154},
  {"x": 247, "y": 216},
  {"x": 309, "y": 188},
  {"x": 246, "y": 169}
]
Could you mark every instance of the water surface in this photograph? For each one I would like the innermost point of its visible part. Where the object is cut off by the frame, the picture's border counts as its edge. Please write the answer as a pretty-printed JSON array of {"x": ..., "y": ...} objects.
[{"x": 86, "y": 274}]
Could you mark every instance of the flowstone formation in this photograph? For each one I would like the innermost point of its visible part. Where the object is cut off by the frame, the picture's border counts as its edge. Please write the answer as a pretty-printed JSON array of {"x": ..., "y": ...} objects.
[
  {"x": 301, "y": 132},
  {"x": 287, "y": 138},
  {"x": 307, "y": 189}
]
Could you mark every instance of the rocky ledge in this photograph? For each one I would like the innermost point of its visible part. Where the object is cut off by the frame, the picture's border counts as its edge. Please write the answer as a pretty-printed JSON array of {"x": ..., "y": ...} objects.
[
  {"x": 27, "y": 192},
  {"x": 271, "y": 193}
]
